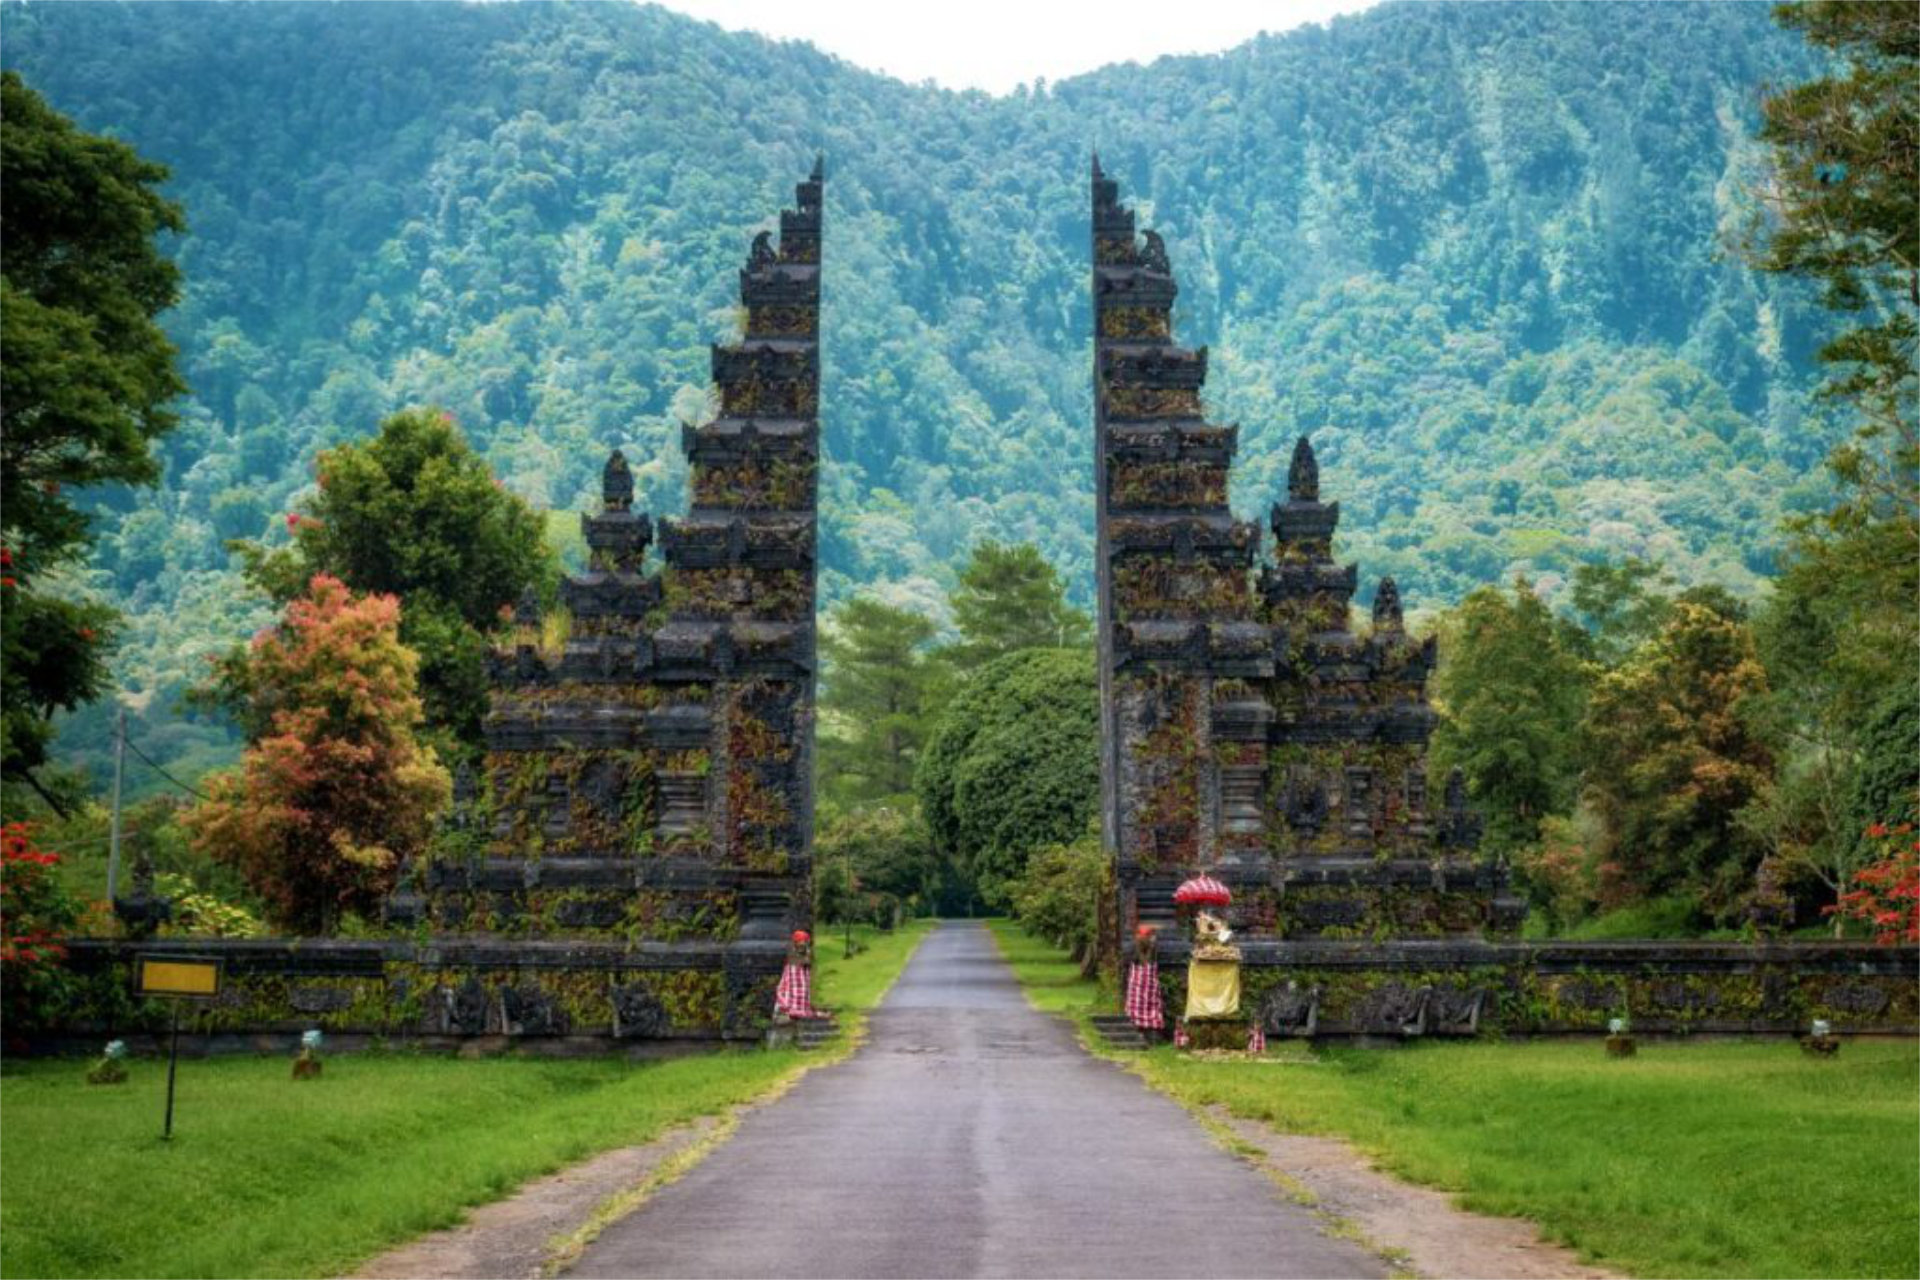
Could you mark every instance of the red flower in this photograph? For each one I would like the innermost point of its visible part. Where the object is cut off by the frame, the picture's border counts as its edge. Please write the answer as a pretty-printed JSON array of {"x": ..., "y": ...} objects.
[
  {"x": 293, "y": 521},
  {"x": 8, "y": 582},
  {"x": 1877, "y": 830},
  {"x": 6, "y": 558},
  {"x": 86, "y": 633}
]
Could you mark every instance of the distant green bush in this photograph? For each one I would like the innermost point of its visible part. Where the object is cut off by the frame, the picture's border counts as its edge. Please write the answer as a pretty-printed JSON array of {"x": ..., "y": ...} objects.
[{"x": 1013, "y": 765}]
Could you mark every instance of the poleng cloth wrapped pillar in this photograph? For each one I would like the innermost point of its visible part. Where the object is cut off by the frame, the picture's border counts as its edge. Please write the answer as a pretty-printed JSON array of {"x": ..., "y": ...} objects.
[
  {"x": 1143, "y": 997},
  {"x": 794, "y": 995},
  {"x": 1143, "y": 983},
  {"x": 1213, "y": 987}
]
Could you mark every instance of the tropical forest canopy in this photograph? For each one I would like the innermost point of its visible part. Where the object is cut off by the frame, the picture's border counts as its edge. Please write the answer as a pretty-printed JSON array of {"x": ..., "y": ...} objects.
[{"x": 1482, "y": 253}]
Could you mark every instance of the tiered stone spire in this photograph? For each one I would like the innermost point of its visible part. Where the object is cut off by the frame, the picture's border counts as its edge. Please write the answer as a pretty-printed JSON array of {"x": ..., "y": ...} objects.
[{"x": 650, "y": 781}]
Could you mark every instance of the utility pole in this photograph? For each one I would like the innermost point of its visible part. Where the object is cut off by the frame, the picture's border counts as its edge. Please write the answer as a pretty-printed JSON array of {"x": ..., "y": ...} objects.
[{"x": 113, "y": 846}]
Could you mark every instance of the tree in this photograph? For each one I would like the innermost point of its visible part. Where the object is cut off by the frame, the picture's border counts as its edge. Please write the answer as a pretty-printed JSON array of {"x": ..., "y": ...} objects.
[
  {"x": 877, "y": 700},
  {"x": 332, "y": 790},
  {"x": 84, "y": 387},
  {"x": 1885, "y": 894},
  {"x": 415, "y": 513},
  {"x": 1013, "y": 765},
  {"x": 1512, "y": 697},
  {"x": 1841, "y": 634},
  {"x": 36, "y": 912},
  {"x": 1621, "y": 606},
  {"x": 1886, "y": 786},
  {"x": 1845, "y": 206},
  {"x": 1058, "y": 895},
  {"x": 892, "y": 861},
  {"x": 1672, "y": 761},
  {"x": 1811, "y": 714},
  {"x": 1010, "y": 598}
]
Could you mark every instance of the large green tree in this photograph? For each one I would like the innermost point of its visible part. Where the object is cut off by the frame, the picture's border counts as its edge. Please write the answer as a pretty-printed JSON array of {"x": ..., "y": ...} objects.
[
  {"x": 874, "y": 862},
  {"x": 878, "y": 699},
  {"x": 1673, "y": 758},
  {"x": 85, "y": 380},
  {"x": 414, "y": 512},
  {"x": 1844, "y": 197},
  {"x": 1013, "y": 765},
  {"x": 1512, "y": 695},
  {"x": 1010, "y": 598},
  {"x": 1840, "y": 634},
  {"x": 1845, "y": 205}
]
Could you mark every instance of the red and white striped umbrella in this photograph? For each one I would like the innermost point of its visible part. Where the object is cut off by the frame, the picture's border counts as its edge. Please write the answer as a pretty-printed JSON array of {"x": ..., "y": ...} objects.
[{"x": 1203, "y": 891}]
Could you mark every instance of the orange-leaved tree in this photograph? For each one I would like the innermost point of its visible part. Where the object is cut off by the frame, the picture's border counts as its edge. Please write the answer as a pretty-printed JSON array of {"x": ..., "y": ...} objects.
[{"x": 333, "y": 788}]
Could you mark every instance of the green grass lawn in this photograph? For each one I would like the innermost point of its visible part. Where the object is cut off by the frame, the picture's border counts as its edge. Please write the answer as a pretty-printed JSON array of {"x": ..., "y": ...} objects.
[
  {"x": 1720, "y": 1158},
  {"x": 268, "y": 1177}
]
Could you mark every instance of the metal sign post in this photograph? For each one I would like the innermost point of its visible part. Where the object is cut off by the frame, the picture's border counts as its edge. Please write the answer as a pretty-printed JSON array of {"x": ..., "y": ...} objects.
[{"x": 176, "y": 979}]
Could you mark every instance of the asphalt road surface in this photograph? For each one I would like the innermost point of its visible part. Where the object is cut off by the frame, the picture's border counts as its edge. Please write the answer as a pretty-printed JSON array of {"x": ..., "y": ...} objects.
[{"x": 970, "y": 1136}]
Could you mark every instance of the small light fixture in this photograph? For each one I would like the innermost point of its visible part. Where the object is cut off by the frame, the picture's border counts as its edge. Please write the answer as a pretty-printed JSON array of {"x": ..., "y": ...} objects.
[
  {"x": 110, "y": 1069},
  {"x": 1619, "y": 1039},
  {"x": 1821, "y": 1042},
  {"x": 307, "y": 1065}
]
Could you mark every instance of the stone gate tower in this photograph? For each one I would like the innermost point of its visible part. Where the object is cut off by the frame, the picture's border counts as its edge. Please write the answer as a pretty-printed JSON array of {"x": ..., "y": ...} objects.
[
  {"x": 643, "y": 826},
  {"x": 1247, "y": 730}
]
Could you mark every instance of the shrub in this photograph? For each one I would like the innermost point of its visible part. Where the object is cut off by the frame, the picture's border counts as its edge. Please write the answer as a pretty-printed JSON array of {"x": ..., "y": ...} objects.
[
  {"x": 1886, "y": 895},
  {"x": 203, "y": 915},
  {"x": 1058, "y": 895},
  {"x": 35, "y": 912}
]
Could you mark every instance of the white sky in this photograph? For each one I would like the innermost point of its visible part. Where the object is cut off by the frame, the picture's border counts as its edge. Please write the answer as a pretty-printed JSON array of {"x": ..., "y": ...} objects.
[{"x": 998, "y": 44}]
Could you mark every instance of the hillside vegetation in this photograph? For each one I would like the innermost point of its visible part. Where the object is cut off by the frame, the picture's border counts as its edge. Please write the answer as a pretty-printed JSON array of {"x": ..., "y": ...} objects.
[{"x": 1470, "y": 248}]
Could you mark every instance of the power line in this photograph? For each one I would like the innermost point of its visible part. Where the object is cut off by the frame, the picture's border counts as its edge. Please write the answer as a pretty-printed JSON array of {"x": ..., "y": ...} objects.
[{"x": 187, "y": 787}]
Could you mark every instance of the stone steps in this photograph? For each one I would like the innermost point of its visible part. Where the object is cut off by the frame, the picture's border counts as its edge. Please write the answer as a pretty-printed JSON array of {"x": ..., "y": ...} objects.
[
  {"x": 1118, "y": 1031},
  {"x": 816, "y": 1033}
]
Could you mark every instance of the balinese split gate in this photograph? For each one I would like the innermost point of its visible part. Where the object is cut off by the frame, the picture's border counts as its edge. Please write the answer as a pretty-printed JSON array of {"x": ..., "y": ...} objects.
[{"x": 634, "y": 856}]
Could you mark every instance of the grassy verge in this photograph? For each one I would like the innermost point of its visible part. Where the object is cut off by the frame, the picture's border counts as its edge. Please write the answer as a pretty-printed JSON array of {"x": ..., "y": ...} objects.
[
  {"x": 1051, "y": 979},
  {"x": 266, "y": 1177},
  {"x": 1725, "y": 1158}
]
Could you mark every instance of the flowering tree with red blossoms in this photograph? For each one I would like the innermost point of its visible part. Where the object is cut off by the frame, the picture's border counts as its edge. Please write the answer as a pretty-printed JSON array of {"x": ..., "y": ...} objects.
[
  {"x": 1886, "y": 892},
  {"x": 35, "y": 912},
  {"x": 333, "y": 788}
]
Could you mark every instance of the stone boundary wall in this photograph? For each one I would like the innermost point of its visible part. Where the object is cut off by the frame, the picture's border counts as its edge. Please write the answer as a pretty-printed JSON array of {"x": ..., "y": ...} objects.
[
  {"x": 588, "y": 997},
  {"x": 1468, "y": 987},
  {"x": 446, "y": 991}
]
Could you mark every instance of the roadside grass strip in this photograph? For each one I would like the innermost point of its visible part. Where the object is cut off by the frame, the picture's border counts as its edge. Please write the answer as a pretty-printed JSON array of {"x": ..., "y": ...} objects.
[
  {"x": 268, "y": 1177},
  {"x": 1707, "y": 1158}
]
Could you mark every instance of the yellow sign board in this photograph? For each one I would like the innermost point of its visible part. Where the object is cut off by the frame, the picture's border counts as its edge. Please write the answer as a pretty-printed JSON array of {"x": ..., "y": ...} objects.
[{"x": 180, "y": 977}]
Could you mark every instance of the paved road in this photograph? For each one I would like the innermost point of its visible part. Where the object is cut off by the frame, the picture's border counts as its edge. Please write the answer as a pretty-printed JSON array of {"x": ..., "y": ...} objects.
[{"x": 970, "y": 1136}]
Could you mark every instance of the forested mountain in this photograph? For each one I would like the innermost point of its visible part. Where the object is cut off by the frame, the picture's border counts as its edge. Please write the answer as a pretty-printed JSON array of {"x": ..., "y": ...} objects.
[{"x": 1479, "y": 251}]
